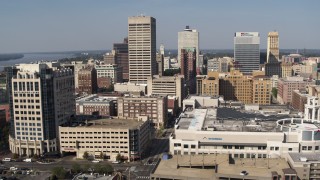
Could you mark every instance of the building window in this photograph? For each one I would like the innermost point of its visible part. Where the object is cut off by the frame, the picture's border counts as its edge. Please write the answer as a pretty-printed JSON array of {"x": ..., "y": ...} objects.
[{"x": 186, "y": 146}]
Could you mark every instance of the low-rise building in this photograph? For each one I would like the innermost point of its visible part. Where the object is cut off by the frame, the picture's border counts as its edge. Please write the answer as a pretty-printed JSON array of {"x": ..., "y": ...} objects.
[
  {"x": 96, "y": 105},
  {"x": 287, "y": 85},
  {"x": 167, "y": 85},
  {"x": 213, "y": 130},
  {"x": 87, "y": 80},
  {"x": 128, "y": 137},
  {"x": 299, "y": 99},
  {"x": 306, "y": 165},
  {"x": 219, "y": 166},
  {"x": 130, "y": 87},
  {"x": 110, "y": 70},
  {"x": 155, "y": 107}
]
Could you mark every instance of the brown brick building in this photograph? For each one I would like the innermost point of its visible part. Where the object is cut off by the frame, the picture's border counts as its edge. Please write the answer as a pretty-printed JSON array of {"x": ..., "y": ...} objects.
[
  {"x": 87, "y": 83},
  {"x": 299, "y": 99},
  {"x": 188, "y": 68},
  {"x": 155, "y": 107}
]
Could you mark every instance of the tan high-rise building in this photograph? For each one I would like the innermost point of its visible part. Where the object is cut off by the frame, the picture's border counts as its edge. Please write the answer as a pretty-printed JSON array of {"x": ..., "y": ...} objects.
[
  {"x": 286, "y": 69},
  {"x": 142, "y": 48},
  {"x": 236, "y": 87},
  {"x": 261, "y": 90},
  {"x": 273, "y": 47},
  {"x": 208, "y": 85},
  {"x": 41, "y": 99}
]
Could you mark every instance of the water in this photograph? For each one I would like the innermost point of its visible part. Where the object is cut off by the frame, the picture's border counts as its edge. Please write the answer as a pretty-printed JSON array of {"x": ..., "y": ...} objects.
[{"x": 33, "y": 57}]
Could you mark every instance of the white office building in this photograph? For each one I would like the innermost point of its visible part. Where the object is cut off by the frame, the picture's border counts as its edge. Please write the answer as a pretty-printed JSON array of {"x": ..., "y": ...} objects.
[
  {"x": 200, "y": 131},
  {"x": 189, "y": 38}
]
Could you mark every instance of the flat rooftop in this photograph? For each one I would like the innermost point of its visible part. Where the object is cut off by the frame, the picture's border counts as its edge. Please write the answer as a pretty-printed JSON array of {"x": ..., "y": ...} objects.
[
  {"x": 304, "y": 157},
  {"x": 191, "y": 167},
  {"x": 95, "y": 98},
  {"x": 226, "y": 119},
  {"x": 116, "y": 123}
]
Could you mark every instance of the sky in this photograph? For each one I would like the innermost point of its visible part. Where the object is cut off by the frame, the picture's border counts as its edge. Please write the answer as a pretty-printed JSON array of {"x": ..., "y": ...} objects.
[{"x": 68, "y": 25}]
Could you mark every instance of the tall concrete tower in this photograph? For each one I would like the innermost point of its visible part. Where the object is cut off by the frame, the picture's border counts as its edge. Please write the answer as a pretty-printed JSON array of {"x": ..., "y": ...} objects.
[
  {"x": 273, "y": 47},
  {"x": 247, "y": 51},
  {"x": 142, "y": 48},
  {"x": 189, "y": 38}
]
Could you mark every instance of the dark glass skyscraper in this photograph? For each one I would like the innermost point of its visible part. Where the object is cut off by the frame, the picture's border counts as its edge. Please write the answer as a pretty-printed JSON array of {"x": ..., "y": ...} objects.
[{"x": 247, "y": 51}]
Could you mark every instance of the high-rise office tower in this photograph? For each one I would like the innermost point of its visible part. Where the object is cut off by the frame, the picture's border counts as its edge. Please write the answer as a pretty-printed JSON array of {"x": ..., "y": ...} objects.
[
  {"x": 41, "y": 98},
  {"x": 186, "y": 39},
  {"x": 273, "y": 47},
  {"x": 160, "y": 59},
  {"x": 188, "y": 68},
  {"x": 122, "y": 58},
  {"x": 247, "y": 51},
  {"x": 142, "y": 48}
]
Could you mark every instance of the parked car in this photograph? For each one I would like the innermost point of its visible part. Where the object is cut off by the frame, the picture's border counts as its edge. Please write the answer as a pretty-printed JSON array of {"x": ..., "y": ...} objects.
[
  {"x": 13, "y": 168},
  {"x": 27, "y": 160},
  {"x": 95, "y": 161},
  {"x": 244, "y": 173},
  {"x": 6, "y": 159}
]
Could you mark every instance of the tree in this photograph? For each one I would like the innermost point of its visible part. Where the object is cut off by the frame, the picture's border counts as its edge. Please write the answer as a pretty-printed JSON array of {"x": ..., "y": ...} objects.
[
  {"x": 97, "y": 168},
  {"x": 118, "y": 158},
  {"x": 35, "y": 156},
  {"x": 108, "y": 169},
  {"x": 274, "y": 92},
  {"x": 76, "y": 167},
  {"x": 15, "y": 156},
  {"x": 59, "y": 172},
  {"x": 85, "y": 155},
  {"x": 86, "y": 167},
  {"x": 101, "y": 156}
]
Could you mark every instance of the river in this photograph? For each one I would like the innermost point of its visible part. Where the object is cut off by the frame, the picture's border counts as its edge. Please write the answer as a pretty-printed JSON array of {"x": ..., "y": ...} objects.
[{"x": 33, "y": 57}]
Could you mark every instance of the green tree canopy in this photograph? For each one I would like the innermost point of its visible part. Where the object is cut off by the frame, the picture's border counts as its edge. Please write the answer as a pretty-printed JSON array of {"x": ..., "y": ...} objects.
[
  {"x": 76, "y": 167},
  {"x": 85, "y": 155},
  {"x": 59, "y": 172}
]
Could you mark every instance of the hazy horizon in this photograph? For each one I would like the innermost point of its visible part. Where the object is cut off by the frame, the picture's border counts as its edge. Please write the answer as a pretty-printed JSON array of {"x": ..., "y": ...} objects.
[{"x": 81, "y": 25}]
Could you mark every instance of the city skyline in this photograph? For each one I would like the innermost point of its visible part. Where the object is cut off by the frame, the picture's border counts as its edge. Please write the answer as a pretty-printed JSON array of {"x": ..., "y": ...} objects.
[{"x": 37, "y": 26}]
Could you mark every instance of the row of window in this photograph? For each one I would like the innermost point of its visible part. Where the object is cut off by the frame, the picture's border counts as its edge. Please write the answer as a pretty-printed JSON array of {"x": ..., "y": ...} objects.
[
  {"x": 29, "y": 138},
  {"x": 82, "y": 137},
  {"x": 26, "y": 124},
  {"x": 26, "y": 129},
  {"x": 25, "y": 95},
  {"x": 27, "y": 112},
  {"x": 25, "y": 101},
  {"x": 26, "y": 118},
  {"x": 31, "y": 134},
  {"x": 95, "y": 132},
  {"x": 309, "y": 148}
]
